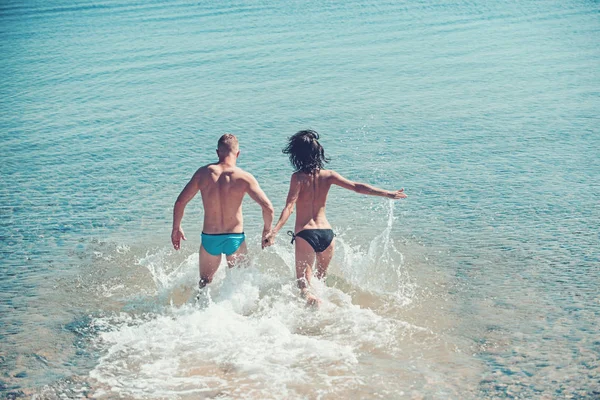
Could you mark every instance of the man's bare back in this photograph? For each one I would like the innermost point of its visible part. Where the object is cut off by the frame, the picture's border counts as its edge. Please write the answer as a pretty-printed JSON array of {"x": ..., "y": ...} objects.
[{"x": 222, "y": 186}]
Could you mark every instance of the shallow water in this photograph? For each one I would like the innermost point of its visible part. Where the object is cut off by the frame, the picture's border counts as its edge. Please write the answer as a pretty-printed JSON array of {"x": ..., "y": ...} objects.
[{"x": 482, "y": 284}]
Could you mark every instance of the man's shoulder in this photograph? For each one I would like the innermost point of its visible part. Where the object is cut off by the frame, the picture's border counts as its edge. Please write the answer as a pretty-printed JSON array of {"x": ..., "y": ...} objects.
[
  {"x": 213, "y": 167},
  {"x": 204, "y": 172},
  {"x": 243, "y": 174}
]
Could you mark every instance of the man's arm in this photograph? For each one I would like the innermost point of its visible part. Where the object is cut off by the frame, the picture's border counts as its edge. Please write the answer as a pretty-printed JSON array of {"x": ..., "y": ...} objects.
[
  {"x": 290, "y": 202},
  {"x": 363, "y": 188},
  {"x": 184, "y": 197},
  {"x": 257, "y": 194}
]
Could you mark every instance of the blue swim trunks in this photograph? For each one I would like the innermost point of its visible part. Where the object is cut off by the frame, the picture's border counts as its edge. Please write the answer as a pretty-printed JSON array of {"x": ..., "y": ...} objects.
[{"x": 219, "y": 243}]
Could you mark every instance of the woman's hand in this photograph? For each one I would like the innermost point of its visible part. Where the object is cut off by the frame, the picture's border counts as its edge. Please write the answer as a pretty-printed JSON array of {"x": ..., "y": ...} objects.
[
  {"x": 268, "y": 238},
  {"x": 398, "y": 194}
]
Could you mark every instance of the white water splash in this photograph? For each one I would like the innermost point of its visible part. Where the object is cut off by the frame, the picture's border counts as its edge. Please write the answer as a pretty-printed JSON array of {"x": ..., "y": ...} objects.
[
  {"x": 381, "y": 268},
  {"x": 249, "y": 335}
]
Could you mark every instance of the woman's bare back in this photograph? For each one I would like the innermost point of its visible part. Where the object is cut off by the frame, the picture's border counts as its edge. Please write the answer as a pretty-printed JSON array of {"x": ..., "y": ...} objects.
[{"x": 313, "y": 189}]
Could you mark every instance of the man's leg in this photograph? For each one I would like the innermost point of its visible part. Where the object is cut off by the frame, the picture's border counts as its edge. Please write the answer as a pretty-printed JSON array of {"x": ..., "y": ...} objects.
[
  {"x": 240, "y": 256},
  {"x": 209, "y": 264},
  {"x": 323, "y": 260},
  {"x": 305, "y": 258}
]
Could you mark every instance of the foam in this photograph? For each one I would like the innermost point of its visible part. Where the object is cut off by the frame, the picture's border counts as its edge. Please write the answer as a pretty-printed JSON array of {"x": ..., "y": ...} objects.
[
  {"x": 247, "y": 334},
  {"x": 380, "y": 269},
  {"x": 240, "y": 340}
]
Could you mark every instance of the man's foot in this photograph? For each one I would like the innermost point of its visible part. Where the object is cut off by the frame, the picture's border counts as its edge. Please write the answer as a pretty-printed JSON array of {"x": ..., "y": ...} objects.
[{"x": 202, "y": 283}]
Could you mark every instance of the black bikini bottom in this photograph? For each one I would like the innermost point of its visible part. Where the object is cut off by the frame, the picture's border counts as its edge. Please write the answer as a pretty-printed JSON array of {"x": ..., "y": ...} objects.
[{"x": 319, "y": 239}]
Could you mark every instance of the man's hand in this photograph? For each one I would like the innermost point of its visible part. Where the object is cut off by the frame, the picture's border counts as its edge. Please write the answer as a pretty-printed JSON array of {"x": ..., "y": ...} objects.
[
  {"x": 268, "y": 238},
  {"x": 398, "y": 194},
  {"x": 176, "y": 236}
]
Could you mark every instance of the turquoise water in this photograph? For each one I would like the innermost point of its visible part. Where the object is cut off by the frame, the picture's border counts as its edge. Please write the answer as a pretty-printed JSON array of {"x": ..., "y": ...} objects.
[{"x": 482, "y": 284}]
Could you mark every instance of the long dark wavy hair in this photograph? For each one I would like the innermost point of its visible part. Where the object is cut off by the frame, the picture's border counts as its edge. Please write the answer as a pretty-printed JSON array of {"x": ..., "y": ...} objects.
[{"x": 305, "y": 152}]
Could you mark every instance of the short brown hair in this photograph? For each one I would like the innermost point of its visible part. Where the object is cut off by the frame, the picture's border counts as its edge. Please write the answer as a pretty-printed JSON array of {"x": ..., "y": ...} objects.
[{"x": 228, "y": 143}]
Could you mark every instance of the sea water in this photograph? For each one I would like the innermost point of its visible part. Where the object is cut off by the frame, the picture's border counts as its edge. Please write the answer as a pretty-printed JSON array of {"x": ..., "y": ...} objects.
[{"x": 482, "y": 284}]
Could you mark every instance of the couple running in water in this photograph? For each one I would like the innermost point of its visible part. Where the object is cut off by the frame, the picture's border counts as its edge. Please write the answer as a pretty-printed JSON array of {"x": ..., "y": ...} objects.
[{"x": 223, "y": 186}]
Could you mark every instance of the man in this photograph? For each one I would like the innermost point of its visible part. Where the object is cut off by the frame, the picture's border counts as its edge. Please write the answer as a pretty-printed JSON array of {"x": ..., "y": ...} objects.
[{"x": 222, "y": 186}]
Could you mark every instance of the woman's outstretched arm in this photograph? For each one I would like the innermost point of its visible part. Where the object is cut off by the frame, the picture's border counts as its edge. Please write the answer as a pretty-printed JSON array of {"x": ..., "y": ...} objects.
[{"x": 363, "y": 188}]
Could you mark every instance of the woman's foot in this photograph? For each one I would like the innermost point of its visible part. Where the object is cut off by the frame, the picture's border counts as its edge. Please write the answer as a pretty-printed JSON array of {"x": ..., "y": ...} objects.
[{"x": 311, "y": 299}]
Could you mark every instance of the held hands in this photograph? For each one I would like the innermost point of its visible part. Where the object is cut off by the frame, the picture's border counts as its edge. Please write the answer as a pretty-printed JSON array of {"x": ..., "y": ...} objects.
[
  {"x": 176, "y": 236},
  {"x": 398, "y": 194},
  {"x": 268, "y": 238}
]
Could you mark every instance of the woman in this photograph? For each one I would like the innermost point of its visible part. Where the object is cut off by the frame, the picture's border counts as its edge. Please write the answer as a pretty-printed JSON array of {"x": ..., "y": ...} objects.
[{"x": 309, "y": 187}]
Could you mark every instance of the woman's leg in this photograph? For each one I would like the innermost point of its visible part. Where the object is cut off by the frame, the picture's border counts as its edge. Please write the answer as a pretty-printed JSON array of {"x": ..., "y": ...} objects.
[
  {"x": 305, "y": 259},
  {"x": 323, "y": 260}
]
